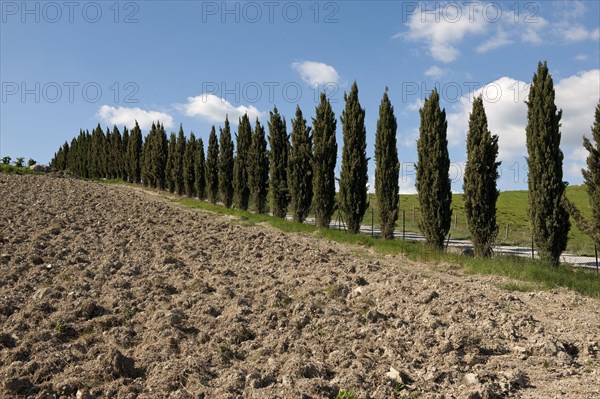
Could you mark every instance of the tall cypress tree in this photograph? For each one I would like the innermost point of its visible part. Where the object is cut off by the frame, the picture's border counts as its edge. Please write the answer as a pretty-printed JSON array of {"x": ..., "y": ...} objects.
[
  {"x": 278, "y": 141},
  {"x": 97, "y": 158},
  {"x": 479, "y": 187},
  {"x": 226, "y": 164},
  {"x": 240, "y": 171},
  {"x": 353, "y": 176},
  {"x": 323, "y": 163},
  {"x": 188, "y": 166},
  {"x": 124, "y": 174},
  {"x": 299, "y": 168},
  {"x": 178, "y": 161},
  {"x": 549, "y": 219},
  {"x": 160, "y": 157},
  {"x": 258, "y": 178},
  {"x": 387, "y": 168},
  {"x": 145, "y": 159},
  {"x": 200, "y": 170},
  {"x": 170, "y": 171},
  {"x": 134, "y": 152},
  {"x": 591, "y": 178},
  {"x": 212, "y": 167},
  {"x": 113, "y": 161},
  {"x": 432, "y": 180}
]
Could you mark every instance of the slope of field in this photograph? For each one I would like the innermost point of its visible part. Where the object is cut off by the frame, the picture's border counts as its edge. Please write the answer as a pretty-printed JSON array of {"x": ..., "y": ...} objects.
[{"x": 109, "y": 291}]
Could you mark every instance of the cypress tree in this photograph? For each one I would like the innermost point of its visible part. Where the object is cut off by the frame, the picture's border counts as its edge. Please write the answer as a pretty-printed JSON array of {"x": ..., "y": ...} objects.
[
  {"x": 97, "y": 157},
  {"x": 188, "y": 166},
  {"x": 159, "y": 157},
  {"x": 258, "y": 178},
  {"x": 323, "y": 163},
  {"x": 432, "y": 180},
  {"x": 169, "y": 171},
  {"x": 200, "y": 170},
  {"x": 113, "y": 164},
  {"x": 212, "y": 167},
  {"x": 134, "y": 152},
  {"x": 549, "y": 219},
  {"x": 591, "y": 178},
  {"x": 591, "y": 175},
  {"x": 387, "y": 168},
  {"x": 353, "y": 176},
  {"x": 226, "y": 164},
  {"x": 147, "y": 157},
  {"x": 124, "y": 174},
  {"x": 240, "y": 169},
  {"x": 178, "y": 161},
  {"x": 278, "y": 141},
  {"x": 479, "y": 187},
  {"x": 299, "y": 168}
]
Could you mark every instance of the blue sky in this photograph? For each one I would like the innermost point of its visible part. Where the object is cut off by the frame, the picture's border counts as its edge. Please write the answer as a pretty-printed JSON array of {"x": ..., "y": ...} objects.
[{"x": 71, "y": 65}]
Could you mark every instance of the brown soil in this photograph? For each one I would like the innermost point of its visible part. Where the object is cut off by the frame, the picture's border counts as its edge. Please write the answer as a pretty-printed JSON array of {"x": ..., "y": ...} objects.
[{"x": 109, "y": 291}]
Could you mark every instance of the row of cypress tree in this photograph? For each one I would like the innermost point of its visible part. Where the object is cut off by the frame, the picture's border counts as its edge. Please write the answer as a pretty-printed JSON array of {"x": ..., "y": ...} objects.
[{"x": 298, "y": 170}]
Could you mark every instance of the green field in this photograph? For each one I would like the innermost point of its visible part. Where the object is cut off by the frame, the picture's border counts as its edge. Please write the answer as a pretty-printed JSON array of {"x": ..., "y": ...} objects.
[{"x": 511, "y": 216}]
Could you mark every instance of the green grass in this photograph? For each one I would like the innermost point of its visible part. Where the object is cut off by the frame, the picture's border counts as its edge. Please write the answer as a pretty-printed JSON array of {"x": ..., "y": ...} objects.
[
  {"x": 511, "y": 215},
  {"x": 14, "y": 170},
  {"x": 346, "y": 394}
]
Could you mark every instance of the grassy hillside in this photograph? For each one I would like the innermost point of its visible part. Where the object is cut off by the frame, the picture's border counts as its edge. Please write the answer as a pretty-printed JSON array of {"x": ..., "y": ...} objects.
[{"x": 511, "y": 215}]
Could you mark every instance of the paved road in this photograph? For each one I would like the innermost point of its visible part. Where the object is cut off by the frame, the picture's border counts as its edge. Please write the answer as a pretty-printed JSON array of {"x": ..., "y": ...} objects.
[{"x": 577, "y": 260}]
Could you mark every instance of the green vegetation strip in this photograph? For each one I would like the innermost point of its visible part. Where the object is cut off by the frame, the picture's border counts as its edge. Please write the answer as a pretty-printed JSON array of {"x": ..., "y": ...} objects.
[
  {"x": 16, "y": 170},
  {"x": 542, "y": 276}
]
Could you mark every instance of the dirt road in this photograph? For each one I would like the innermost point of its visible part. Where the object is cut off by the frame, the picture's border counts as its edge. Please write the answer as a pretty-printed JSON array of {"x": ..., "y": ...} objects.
[{"x": 108, "y": 291}]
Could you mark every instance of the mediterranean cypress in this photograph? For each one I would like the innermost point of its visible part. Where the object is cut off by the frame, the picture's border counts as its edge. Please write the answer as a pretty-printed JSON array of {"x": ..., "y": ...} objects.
[
  {"x": 226, "y": 164},
  {"x": 432, "y": 180},
  {"x": 258, "y": 175},
  {"x": 200, "y": 170},
  {"x": 387, "y": 168},
  {"x": 299, "y": 168},
  {"x": 113, "y": 161},
  {"x": 160, "y": 157},
  {"x": 124, "y": 143},
  {"x": 240, "y": 169},
  {"x": 134, "y": 150},
  {"x": 591, "y": 178},
  {"x": 549, "y": 219},
  {"x": 212, "y": 167},
  {"x": 278, "y": 141},
  {"x": 323, "y": 162},
  {"x": 169, "y": 171},
  {"x": 188, "y": 166},
  {"x": 353, "y": 176},
  {"x": 178, "y": 161},
  {"x": 479, "y": 187}
]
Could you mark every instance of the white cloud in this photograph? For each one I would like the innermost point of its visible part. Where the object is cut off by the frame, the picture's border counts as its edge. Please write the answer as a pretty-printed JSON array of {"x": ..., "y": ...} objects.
[
  {"x": 316, "y": 72},
  {"x": 415, "y": 106},
  {"x": 443, "y": 30},
  {"x": 581, "y": 57},
  {"x": 576, "y": 33},
  {"x": 506, "y": 110},
  {"x": 499, "y": 40},
  {"x": 123, "y": 116},
  {"x": 435, "y": 72},
  {"x": 578, "y": 95},
  {"x": 407, "y": 185},
  {"x": 532, "y": 36},
  {"x": 214, "y": 109}
]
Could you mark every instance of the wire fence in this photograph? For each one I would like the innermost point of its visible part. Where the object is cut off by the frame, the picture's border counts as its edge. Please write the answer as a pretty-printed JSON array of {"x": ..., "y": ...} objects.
[{"x": 512, "y": 239}]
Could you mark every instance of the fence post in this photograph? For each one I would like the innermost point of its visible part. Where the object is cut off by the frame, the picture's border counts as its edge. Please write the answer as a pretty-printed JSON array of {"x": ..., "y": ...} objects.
[
  {"x": 596, "y": 251},
  {"x": 413, "y": 213},
  {"x": 372, "y": 223},
  {"x": 506, "y": 238},
  {"x": 532, "y": 250},
  {"x": 339, "y": 223},
  {"x": 455, "y": 219},
  {"x": 403, "y": 224}
]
